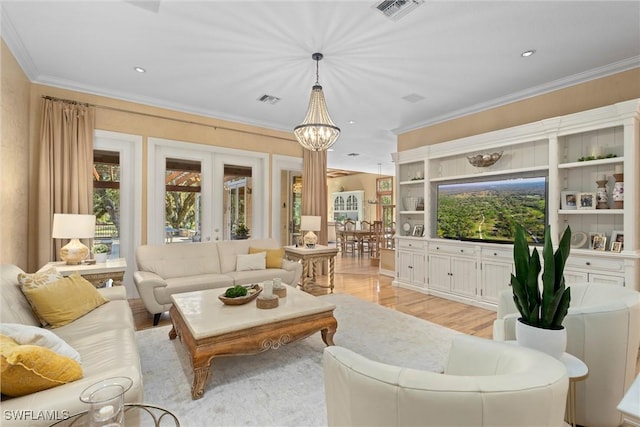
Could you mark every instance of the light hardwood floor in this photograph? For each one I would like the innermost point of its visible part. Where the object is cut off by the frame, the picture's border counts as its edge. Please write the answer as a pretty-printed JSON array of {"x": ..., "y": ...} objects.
[{"x": 355, "y": 276}]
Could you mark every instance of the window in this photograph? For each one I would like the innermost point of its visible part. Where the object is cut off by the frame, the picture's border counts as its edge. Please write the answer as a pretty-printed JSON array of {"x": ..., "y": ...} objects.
[
  {"x": 182, "y": 201},
  {"x": 384, "y": 197},
  {"x": 106, "y": 199}
]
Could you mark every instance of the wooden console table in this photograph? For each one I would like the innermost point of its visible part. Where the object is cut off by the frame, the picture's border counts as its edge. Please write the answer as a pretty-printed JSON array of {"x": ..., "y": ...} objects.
[
  {"x": 100, "y": 274},
  {"x": 308, "y": 257}
]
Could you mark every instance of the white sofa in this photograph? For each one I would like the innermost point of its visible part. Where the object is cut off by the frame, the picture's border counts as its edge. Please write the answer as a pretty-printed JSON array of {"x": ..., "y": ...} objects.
[
  {"x": 104, "y": 338},
  {"x": 603, "y": 330},
  {"x": 485, "y": 383},
  {"x": 164, "y": 270}
]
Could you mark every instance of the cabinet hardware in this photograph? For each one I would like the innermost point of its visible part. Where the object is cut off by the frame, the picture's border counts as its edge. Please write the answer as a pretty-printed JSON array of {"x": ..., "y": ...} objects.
[{"x": 587, "y": 263}]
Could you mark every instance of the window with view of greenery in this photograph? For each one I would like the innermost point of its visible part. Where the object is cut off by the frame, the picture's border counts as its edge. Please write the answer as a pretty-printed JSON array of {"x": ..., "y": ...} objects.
[
  {"x": 106, "y": 199},
  {"x": 384, "y": 197},
  {"x": 182, "y": 200}
]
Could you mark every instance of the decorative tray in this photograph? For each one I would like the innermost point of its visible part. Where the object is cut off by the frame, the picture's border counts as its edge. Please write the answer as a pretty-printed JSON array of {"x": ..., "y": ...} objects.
[{"x": 252, "y": 292}]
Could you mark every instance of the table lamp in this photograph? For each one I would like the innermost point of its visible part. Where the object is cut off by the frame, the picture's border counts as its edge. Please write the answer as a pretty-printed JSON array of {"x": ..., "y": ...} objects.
[
  {"x": 74, "y": 227},
  {"x": 310, "y": 224}
]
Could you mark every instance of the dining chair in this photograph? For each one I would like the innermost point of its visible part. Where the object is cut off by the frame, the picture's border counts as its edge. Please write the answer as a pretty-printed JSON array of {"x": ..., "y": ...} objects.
[
  {"x": 349, "y": 237},
  {"x": 376, "y": 239},
  {"x": 339, "y": 235}
]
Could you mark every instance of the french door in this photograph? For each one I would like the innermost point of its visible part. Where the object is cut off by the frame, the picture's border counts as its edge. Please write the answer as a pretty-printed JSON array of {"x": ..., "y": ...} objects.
[
  {"x": 117, "y": 202},
  {"x": 188, "y": 192}
]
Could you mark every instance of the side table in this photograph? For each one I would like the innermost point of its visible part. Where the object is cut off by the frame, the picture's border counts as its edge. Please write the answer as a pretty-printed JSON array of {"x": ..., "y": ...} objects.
[
  {"x": 140, "y": 414},
  {"x": 577, "y": 370},
  {"x": 99, "y": 274},
  {"x": 308, "y": 257},
  {"x": 630, "y": 405}
]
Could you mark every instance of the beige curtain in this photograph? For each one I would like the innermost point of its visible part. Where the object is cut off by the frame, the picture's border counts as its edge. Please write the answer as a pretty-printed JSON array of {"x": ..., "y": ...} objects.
[
  {"x": 64, "y": 171},
  {"x": 314, "y": 189}
]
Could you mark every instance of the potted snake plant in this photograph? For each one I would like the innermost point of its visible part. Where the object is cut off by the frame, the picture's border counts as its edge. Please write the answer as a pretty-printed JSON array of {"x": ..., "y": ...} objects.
[{"x": 542, "y": 313}]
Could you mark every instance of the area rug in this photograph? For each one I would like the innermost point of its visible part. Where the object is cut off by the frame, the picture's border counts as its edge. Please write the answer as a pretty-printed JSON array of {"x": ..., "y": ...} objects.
[{"x": 285, "y": 387}]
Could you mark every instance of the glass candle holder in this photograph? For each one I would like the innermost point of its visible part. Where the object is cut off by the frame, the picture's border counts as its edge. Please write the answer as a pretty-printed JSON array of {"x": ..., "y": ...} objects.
[{"x": 106, "y": 401}]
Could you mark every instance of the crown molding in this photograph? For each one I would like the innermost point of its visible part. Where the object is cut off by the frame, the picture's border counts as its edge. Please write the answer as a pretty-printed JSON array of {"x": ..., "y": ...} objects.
[
  {"x": 596, "y": 73},
  {"x": 13, "y": 41}
]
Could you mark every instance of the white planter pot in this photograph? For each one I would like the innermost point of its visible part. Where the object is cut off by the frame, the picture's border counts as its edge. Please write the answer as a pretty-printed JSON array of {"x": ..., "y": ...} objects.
[
  {"x": 550, "y": 341},
  {"x": 100, "y": 258}
]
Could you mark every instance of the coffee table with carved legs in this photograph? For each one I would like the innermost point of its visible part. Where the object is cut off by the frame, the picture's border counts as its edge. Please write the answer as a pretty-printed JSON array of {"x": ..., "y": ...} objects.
[{"x": 207, "y": 328}]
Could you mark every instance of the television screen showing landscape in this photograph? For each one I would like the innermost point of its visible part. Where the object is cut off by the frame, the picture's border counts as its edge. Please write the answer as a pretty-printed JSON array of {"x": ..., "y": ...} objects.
[{"x": 489, "y": 210}]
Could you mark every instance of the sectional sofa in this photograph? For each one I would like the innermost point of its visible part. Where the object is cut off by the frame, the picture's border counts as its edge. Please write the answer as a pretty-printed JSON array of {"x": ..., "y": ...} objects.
[
  {"x": 164, "y": 270},
  {"x": 104, "y": 338}
]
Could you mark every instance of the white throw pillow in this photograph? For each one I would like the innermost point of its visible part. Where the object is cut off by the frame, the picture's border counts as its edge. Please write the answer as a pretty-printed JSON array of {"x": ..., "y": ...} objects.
[
  {"x": 251, "y": 262},
  {"x": 33, "y": 335}
]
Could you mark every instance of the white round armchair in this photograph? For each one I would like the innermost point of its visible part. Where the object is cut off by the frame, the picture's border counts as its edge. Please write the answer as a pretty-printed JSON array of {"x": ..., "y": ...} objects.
[
  {"x": 485, "y": 383},
  {"x": 603, "y": 330}
]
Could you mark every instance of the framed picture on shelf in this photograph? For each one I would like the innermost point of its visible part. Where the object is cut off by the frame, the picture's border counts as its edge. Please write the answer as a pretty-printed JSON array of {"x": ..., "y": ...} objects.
[
  {"x": 569, "y": 200},
  {"x": 586, "y": 200},
  {"x": 617, "y": 237},
  {"x": 418, "y": 229},
  {"x": 616, "y": 247},
  {"x": 597, "y": 241}
]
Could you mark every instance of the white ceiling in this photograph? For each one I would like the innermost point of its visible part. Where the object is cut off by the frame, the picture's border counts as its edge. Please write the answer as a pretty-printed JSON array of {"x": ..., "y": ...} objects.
[{"x": 216, "y": 58}]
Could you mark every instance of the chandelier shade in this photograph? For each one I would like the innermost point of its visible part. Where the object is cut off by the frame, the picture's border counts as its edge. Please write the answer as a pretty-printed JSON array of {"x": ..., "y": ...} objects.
[{"x": 317, "y": 132}]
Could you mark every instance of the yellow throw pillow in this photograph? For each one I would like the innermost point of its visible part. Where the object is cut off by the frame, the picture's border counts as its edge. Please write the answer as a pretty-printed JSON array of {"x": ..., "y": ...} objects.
[
  {"x": 26, "y": 369},
  {"x": 65, "y": 300},
  {"x": 274, "y": 256},
  {"x": 37, "y": 279}
]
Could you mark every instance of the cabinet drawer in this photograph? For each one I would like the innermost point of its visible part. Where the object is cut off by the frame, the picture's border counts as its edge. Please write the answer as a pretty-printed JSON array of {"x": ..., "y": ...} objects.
[
  {"x": 502, "y": 254},
  {"x": 595, "y": 263},
  {"x": 452, "y": 249},
  {"x": 411, "y": 244}
]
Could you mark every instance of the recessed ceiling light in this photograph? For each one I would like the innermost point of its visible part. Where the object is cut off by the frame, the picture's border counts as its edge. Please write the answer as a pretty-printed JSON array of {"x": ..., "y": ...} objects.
[
  {"x": 527, "y": 53},
  {"x": 140, "y": 69},
  {"x": 352, "y": 122}
]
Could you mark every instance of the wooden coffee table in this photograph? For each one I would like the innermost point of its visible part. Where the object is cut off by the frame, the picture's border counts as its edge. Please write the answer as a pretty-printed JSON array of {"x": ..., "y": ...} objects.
[{"x": 207, "y": 328}]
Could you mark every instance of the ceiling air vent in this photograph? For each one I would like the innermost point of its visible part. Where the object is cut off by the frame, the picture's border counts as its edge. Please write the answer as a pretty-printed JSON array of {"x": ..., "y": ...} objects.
[
  {"x": 269, "y": 99},
  {"x": 396, "y": 9}
]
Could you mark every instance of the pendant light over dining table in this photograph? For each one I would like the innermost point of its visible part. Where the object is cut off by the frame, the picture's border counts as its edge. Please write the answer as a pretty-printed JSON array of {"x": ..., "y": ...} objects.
[{"x": 317, "y": 132}]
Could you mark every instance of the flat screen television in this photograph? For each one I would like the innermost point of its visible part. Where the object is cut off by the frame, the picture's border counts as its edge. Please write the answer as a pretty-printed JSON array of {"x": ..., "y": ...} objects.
[{"x": 487, "y": 210}]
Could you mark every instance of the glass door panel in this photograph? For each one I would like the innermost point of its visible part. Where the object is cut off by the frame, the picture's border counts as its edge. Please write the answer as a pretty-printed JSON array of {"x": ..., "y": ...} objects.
[
  {"x": 238, "y": 206},
  {"x": 182, "y": 200},
  {"x": 106, "y": 200}
]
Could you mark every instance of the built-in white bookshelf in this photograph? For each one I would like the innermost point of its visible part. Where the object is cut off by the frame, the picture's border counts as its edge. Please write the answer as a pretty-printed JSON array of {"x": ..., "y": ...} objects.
[{"x": 581, "y": 155}]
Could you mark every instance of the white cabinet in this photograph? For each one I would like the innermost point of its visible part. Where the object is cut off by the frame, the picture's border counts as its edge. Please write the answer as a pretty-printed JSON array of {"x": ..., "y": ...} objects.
[
  {"x": 410, "y": 263},
  {"x": 496, "y": 266},
  {"x": 348, "y": 205},
  {"x": 453, "y": 268},
  {"x": 606, "y": 268}
]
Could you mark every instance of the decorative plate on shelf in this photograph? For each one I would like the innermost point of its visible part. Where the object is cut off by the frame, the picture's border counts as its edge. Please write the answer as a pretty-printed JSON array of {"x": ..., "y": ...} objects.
[
  {"x": 407, "y": 228},
  {"x": 578, "y": 239},
  {"x": 252, "y": 292}
]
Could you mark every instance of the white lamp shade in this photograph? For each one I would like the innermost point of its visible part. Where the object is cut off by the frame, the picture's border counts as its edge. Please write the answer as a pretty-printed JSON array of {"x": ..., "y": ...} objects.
[
  {"x": 73, "y": 226},
  {"x": 310, "y": 223}
]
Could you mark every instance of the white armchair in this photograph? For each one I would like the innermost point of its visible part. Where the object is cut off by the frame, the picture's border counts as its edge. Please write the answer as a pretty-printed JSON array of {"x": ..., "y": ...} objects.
[
  {"x": 486, "y": 383},
  {"x": 603, "y": 330}
]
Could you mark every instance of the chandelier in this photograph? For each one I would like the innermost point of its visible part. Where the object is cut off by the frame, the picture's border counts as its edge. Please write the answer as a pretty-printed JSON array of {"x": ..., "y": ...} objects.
[{"x": 317, "y": 131}]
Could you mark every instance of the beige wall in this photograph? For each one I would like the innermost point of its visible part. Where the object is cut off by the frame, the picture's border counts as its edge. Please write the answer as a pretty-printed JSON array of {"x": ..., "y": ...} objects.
[
  {"x": 593, "y": 94},
  {"x": 14, "y": 161}
]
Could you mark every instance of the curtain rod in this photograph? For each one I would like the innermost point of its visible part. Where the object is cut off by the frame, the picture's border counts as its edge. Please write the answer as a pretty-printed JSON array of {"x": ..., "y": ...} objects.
[{"x": 157, "y": 116}]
